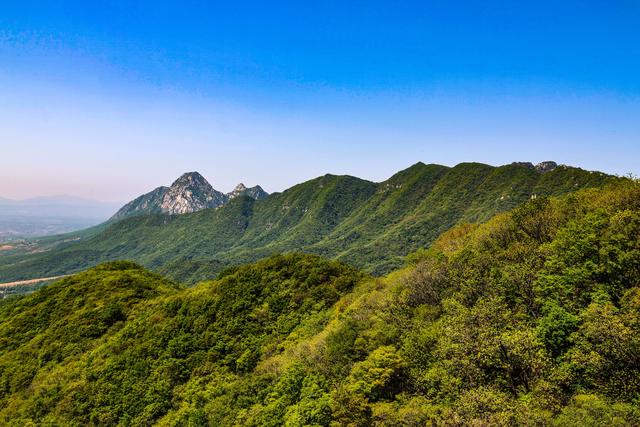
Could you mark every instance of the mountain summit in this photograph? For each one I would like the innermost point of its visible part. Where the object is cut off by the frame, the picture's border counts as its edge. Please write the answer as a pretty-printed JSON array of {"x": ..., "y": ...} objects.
[
  {"x": 256, "y": 192},
  {"x": 191, "y": 192}
]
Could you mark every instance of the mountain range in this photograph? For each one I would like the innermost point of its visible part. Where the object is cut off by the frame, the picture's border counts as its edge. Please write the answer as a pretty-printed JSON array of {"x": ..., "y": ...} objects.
[
  {"x": 370, "y": 225},
  {"x": 531, "y": 318},
  {"x": 191, "y": 192}
]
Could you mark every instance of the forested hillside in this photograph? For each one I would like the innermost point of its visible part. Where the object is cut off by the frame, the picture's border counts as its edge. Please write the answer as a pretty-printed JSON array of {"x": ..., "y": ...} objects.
[
  {"x": 532, "y": 318},
  {"x": 368, "y": 225}
]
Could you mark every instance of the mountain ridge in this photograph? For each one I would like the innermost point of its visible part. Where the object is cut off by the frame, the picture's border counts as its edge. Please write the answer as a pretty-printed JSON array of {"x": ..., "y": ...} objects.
[
  {"x": 369, "y": 225},
  {"x": 530, "y": 318}
]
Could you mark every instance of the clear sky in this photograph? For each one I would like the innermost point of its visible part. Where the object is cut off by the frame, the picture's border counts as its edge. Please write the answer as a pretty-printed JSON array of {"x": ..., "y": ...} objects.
[{"x": 108, "y": 99}]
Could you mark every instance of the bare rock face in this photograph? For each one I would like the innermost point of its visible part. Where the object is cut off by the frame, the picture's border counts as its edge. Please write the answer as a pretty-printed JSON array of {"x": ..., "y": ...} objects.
[
  {"x": 547, "y": 166},
  {"x": 240, "y": 189},
  {"x": 191, "y": 192},
  {"x": 256, "y": 192}
]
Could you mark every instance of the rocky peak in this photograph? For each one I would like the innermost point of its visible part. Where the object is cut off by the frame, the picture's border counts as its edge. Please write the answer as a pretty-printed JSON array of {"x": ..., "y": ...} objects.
[
  {"x": 256, "y": 192},
  {"x": 190, "y": 179},
  {"x": 240, "y": 187},
  {"x": 190, "y": 193}
]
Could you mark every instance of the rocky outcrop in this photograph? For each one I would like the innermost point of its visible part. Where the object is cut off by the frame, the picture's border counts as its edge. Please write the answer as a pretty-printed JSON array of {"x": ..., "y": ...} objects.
[
  {"x": 191, "y": 192},
  {"x": 547, "y": 166},
  {"x": 256, "y": 192}
]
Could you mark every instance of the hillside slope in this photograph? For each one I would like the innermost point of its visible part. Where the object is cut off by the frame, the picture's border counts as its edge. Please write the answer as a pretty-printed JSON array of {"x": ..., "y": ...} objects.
[
  {"x": 369, "y": 225},
  {"x": 532, "y": 318},
  {"x": 61, "y": 361}
]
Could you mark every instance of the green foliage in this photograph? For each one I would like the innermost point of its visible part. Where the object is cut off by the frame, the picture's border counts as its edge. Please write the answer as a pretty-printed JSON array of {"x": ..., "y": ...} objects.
[
  {"x": 371, "y": 226},
  {"x": 225, "y": 327},
  {"x": 592, "y": 411},
  {"x": 555, "y": 328},
  {"x": 379, "y": 376},
  {"x": 43, "y": 333},
  {"x": 532, "y": 318},
  {"x": 313, "y": 408}
]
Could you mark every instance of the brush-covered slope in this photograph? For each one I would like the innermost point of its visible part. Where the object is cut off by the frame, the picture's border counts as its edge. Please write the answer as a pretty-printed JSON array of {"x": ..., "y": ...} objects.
[
  {"x": 532, "y": 318},
  {"x": 420, "y": 203},
  {"x": 43, "y": 334},
  {"x": 117, "y": 345},
  {"x": 372, "y": 226}
]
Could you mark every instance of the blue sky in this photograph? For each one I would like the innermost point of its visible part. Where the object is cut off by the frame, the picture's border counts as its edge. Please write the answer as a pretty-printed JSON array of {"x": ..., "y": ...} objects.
[{"x": 108, "y": 99}]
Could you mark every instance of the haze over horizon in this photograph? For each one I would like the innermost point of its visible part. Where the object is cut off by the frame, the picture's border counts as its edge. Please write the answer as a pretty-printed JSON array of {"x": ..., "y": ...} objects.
[
  {"x": 108, "y": 101},
  {"x": 115, "y": 203}
]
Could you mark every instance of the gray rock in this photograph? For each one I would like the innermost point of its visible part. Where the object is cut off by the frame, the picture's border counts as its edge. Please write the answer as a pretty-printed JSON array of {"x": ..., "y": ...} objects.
[
  {"x": 256, "y": 192},
  {"x": 191, "y": 192},
  {"x": 547, "y": 166}
]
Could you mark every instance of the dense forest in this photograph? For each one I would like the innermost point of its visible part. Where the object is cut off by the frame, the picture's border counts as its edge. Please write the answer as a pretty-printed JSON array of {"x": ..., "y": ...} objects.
[{"x": 530, "y": 318}]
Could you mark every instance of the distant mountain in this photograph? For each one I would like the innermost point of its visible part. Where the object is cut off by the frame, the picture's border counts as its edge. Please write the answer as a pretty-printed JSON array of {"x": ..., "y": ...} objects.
[
  {"x": 369, "y": 225},
  {"x": 56, "y": 206},
  {"x": 256, "y": 193},
  {"x": 43, "y": 216},
  {"x": 191, "y": 192}
]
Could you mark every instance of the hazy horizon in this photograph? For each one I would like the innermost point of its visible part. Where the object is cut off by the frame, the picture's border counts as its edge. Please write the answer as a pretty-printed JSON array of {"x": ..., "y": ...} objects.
[
  {"x": 109, "y": 101},
  {"x": 227, "y": 190}
]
